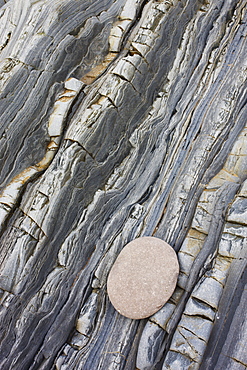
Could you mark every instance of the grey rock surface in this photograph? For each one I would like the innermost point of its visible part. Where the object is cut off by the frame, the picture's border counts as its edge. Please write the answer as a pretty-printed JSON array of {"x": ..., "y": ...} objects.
[{"x": 122, "y": 119}]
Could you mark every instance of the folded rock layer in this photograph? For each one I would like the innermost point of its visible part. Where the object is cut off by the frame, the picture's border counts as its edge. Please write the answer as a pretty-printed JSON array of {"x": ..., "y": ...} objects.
[{"x": 122, "y": 119}]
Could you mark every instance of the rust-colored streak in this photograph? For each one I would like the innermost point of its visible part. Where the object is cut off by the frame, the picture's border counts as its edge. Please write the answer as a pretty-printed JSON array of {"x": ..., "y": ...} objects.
[{"x": 90, "y": 77}]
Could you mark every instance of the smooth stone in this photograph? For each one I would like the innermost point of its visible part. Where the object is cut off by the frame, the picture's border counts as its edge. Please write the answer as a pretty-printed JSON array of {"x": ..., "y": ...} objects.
[{"x": 143, "y": 277}]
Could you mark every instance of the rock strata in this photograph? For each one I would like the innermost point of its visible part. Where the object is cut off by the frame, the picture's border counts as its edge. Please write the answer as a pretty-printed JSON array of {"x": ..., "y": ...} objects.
[
  {"x": 143, "y": 277},
  {"x": 120, "y": 119}
]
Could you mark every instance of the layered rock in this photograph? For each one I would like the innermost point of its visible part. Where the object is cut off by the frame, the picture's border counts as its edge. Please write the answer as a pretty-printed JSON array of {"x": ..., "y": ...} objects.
[{"x": 121, "y": 119}]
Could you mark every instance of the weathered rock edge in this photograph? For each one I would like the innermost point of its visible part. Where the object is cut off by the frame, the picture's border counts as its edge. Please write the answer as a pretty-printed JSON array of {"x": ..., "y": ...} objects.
[{"x": 154, "y": 143}]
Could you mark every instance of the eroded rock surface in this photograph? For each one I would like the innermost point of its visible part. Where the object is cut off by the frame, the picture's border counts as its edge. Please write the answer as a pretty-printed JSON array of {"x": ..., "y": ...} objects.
[{"x": 122, "y": 119}]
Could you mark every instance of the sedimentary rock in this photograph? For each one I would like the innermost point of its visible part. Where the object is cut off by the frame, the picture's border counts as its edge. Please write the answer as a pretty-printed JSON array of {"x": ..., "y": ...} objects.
[{"x": 122, "y": 119}]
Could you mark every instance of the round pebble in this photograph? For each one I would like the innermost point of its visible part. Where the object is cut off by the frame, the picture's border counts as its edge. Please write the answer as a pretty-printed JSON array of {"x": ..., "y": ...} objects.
[{"x": 143, "y": 277}]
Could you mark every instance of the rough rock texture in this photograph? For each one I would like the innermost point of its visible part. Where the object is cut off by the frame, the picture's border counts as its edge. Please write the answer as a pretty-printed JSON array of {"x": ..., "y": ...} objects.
[
  {"x": 121, "y": 119},
  {"x": 143, "y": 277}
]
